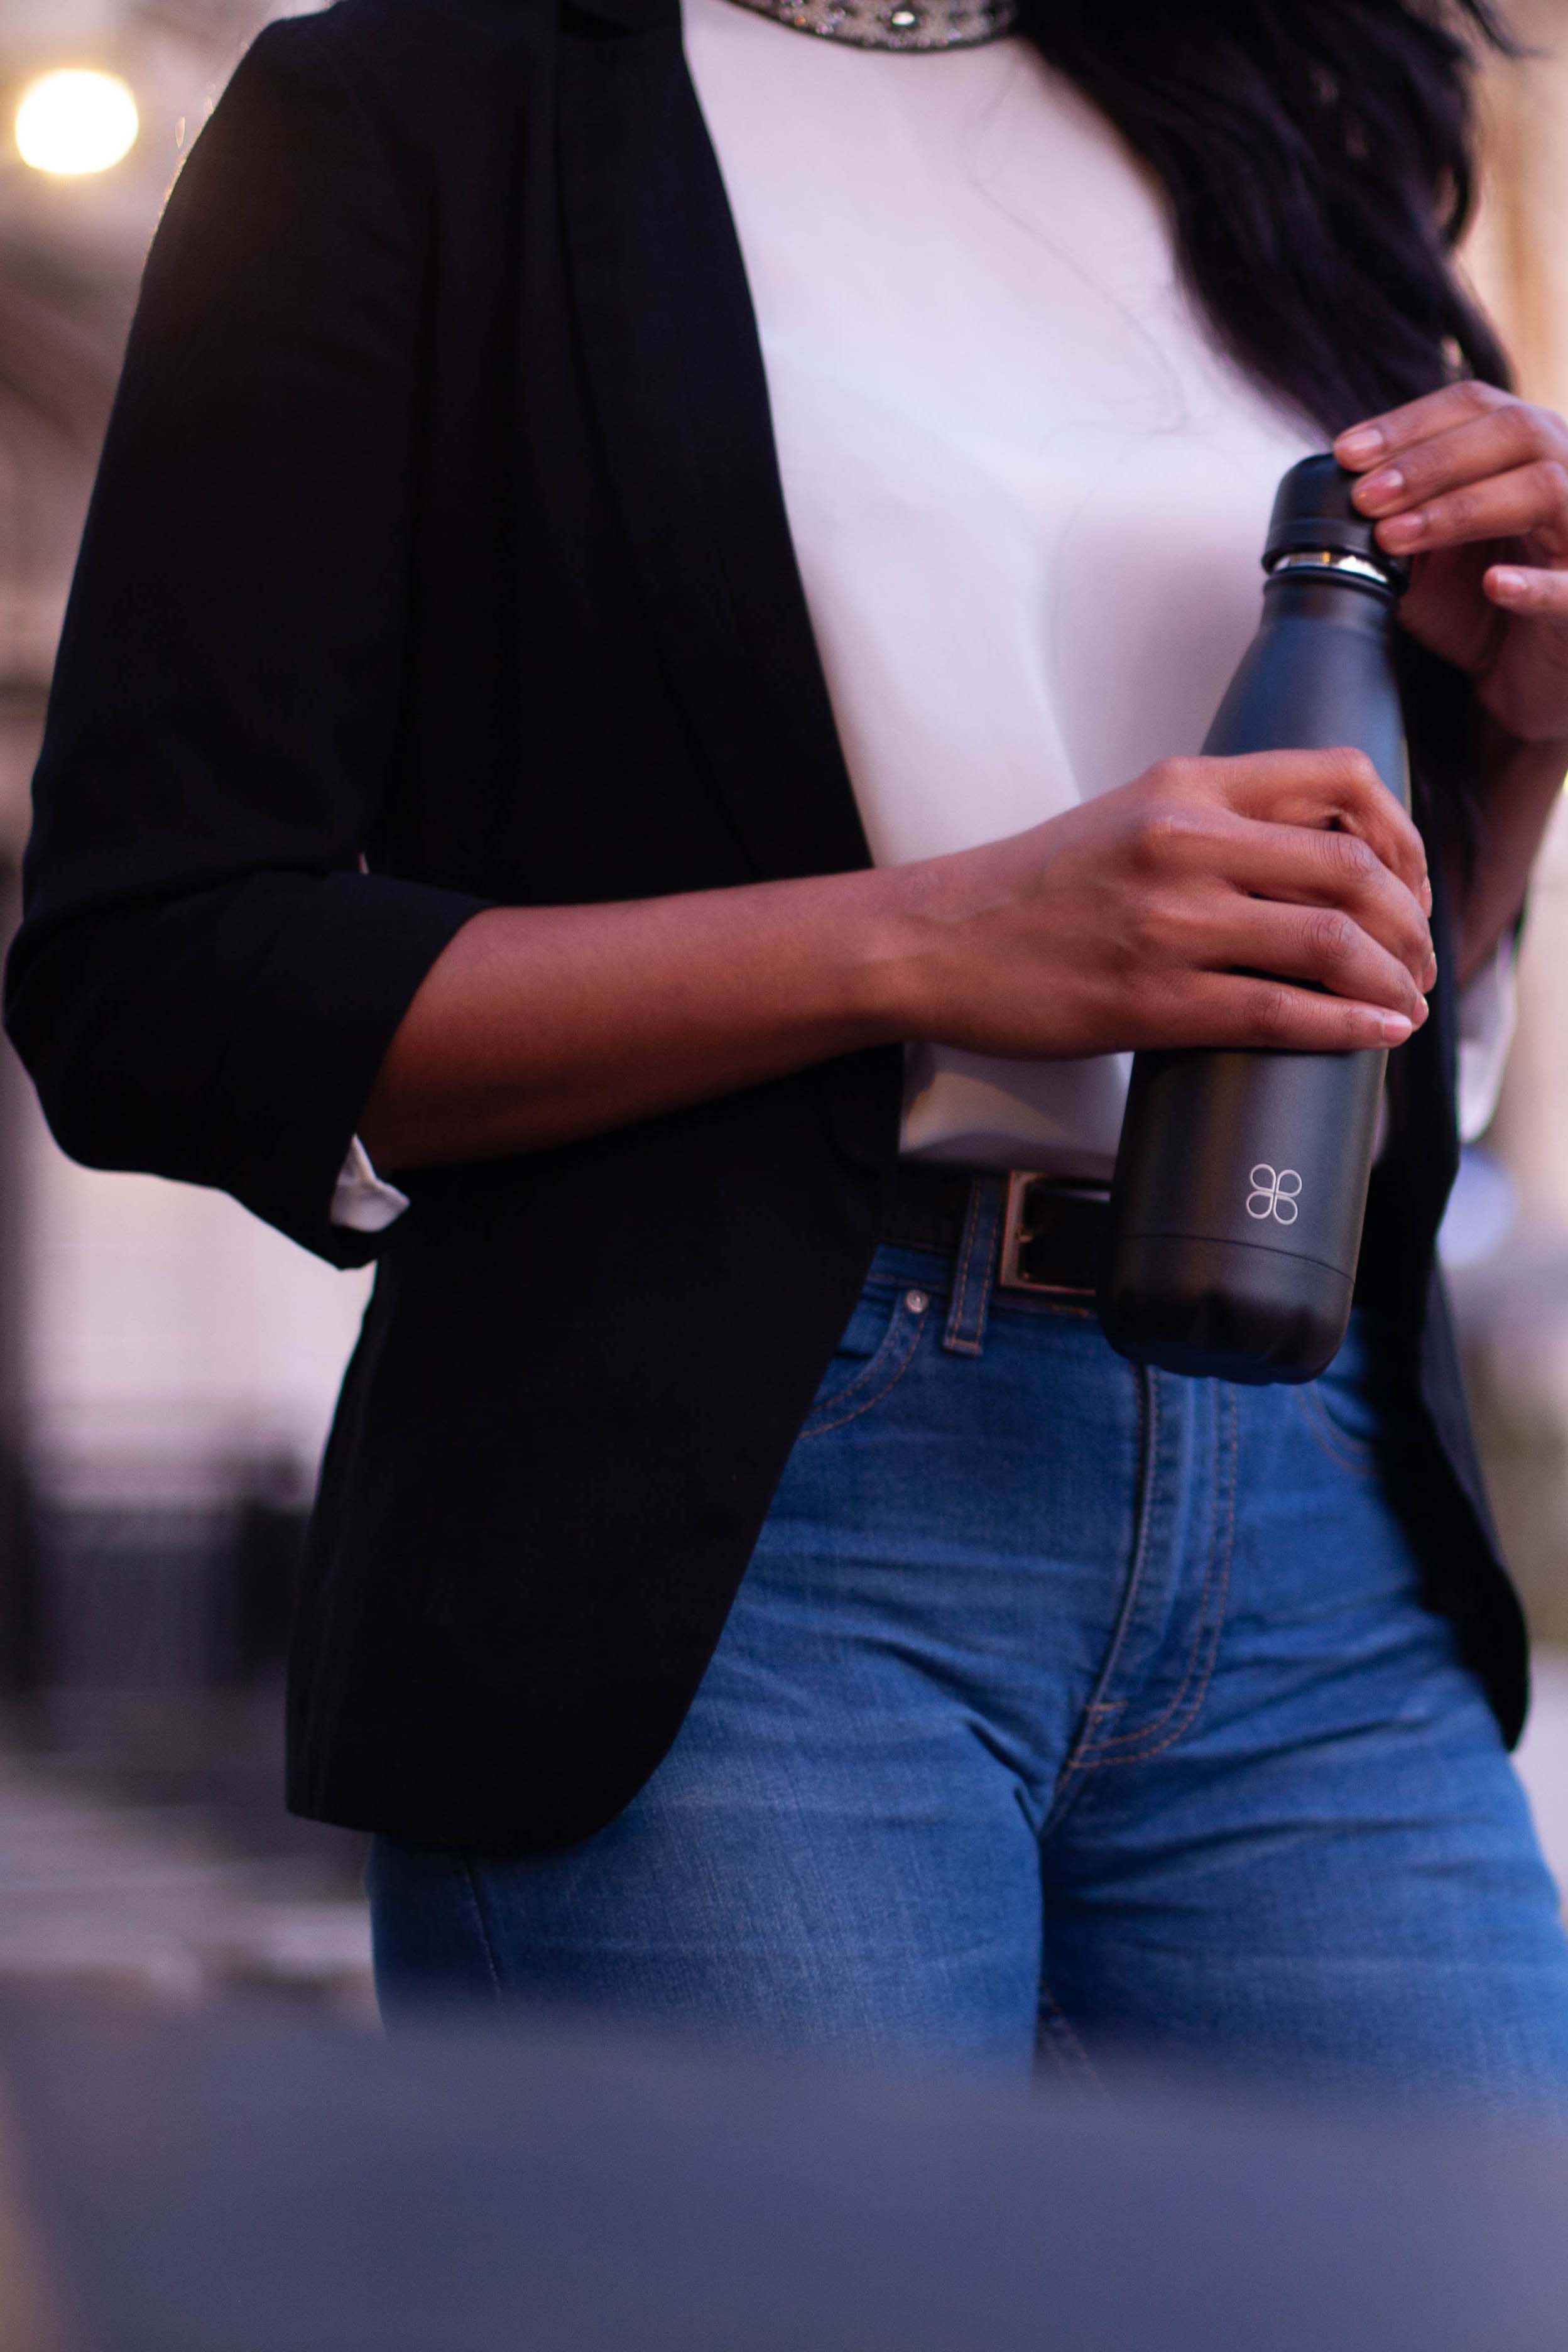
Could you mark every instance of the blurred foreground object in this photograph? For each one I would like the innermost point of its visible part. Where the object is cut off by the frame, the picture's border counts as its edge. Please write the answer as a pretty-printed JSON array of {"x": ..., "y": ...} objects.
[
  {"x": 249, "y": 2192},
  {"x": 30, "y": 2308}
]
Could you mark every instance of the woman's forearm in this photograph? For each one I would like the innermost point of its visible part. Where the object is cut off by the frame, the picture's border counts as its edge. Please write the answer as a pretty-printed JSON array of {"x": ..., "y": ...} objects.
[
  {"x": 541, "y": 1025},
  {"x": 1142, "y": 919},
  {"x": 1522, "y": 782}
]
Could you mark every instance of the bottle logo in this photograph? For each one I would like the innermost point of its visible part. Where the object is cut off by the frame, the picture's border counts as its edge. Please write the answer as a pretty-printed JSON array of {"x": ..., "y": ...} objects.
[{"x": 1275, "y": 1193}]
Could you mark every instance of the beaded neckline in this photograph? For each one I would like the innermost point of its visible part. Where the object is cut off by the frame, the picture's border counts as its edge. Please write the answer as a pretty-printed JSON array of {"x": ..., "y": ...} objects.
[{"x": 895, "y": 24}]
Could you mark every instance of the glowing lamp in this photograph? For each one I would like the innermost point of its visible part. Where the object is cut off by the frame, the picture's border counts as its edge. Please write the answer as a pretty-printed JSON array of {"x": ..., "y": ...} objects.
[{"x": 76, "y": 121}]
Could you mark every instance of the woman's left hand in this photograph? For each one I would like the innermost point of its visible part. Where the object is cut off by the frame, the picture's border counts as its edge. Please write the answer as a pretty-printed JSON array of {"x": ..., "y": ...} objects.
[{"x": 1472, "y": 483}]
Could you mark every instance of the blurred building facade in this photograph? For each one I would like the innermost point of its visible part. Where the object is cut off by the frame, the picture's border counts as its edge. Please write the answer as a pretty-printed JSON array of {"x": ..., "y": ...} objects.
[
  {"x": 167, "y": 1335},
  {"x": 167, "y": 1364},
  {"x": 1516, "y": 1307}
]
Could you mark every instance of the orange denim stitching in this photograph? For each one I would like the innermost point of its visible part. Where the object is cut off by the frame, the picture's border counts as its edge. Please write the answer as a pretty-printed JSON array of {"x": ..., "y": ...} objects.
[
  {"x": 486, "y": 1946},
  {"x": 1056, "y": 2028},
  {"x": 821, "y": 1428},
  {"x": 1136, "y": 1747},
  {"x": 1149, "y": 1450},
  {"x": 955, "y": 1312},
  {"x": 981, "y": 1207},
  {"x": 1345, "y": 1453}
]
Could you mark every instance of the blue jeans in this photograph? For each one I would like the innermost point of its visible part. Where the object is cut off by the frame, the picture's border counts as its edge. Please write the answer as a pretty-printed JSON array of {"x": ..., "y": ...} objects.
[{"x": 1065, "y": 1710}]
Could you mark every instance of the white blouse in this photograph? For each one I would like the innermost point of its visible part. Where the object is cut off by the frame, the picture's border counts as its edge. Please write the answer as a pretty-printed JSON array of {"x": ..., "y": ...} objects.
[{"x": 1026, "y": 492}]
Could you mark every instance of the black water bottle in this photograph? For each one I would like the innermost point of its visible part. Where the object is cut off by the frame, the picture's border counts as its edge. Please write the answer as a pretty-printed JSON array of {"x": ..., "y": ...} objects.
[{"x": 1241, "y": 1177}]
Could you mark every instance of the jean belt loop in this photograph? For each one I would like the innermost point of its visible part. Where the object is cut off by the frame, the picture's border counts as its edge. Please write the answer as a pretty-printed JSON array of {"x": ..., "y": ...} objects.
[{"x": 975, "y": 1269}]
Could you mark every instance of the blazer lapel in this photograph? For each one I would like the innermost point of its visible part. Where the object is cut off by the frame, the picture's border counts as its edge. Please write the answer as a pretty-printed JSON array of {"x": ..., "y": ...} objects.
[{"x": 680, "y": 398}]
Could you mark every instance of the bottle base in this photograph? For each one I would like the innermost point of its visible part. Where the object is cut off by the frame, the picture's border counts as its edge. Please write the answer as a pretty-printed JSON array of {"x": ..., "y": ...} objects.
[{"x": 1222, "y": 1310}]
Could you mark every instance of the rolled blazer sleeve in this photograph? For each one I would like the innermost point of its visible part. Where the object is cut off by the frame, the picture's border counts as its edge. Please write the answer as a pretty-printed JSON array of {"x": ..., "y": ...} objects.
[{"x": 207, "y": 978}]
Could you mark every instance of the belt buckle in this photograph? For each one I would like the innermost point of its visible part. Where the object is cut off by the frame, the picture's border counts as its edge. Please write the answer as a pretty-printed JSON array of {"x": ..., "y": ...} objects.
[{"x": 1021, "y": 1228}]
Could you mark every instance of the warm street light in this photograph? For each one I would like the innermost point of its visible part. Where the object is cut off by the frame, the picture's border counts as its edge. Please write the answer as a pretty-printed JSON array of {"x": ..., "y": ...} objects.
[{"x": 75, "y": 122}]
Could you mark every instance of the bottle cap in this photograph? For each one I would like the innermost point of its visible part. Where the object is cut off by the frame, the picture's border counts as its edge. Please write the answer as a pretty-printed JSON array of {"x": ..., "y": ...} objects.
[{"x": 1312, "y": 510}]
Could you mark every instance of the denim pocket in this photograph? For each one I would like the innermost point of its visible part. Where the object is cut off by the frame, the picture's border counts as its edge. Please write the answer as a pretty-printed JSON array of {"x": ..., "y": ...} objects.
[
  {"x": 1355, "y": 1409},
  {"x": 1342, "y": 1418},
  {"x": 875, "y": 1351}
]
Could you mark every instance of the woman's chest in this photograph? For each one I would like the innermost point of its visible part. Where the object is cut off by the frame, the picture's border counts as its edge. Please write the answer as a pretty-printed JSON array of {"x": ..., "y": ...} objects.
[{"x": 1019, "y": 477}]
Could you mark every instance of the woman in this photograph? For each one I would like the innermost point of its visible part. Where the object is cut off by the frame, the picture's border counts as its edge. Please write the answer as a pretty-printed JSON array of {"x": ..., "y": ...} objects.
[{"x": 471, "y": 764}]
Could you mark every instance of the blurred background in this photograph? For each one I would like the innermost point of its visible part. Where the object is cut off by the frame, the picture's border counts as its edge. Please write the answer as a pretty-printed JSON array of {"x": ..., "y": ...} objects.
[{"x": 168, "y": 1365}]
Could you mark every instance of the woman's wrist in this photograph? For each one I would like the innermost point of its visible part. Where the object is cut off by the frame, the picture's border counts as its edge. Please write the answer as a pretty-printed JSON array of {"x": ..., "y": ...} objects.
[
  {"x": 863, "y": 937},
  {"x": 912, "y": 916}
]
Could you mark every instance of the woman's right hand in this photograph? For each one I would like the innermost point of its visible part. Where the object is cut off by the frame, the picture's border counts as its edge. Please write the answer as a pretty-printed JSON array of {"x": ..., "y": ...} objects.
[
  {"x": 1278, "y": 899},
  {"x": 1140, "y": 918}
]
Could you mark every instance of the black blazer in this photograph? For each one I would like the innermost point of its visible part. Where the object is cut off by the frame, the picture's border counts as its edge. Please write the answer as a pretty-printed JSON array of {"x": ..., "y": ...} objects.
[{"x": 439, "y": 559}]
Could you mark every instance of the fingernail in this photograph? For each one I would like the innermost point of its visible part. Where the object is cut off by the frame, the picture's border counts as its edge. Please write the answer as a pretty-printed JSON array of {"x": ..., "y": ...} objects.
[
  {"x": 1402, "y": 530},
  {"x": 1380, "y": 490},
  {"x": 1509, "y": 583},
  {"x": 1360, "y": 446},
  {"x": 1425, "y": 894},
  {"x": 1396, "y": 1028},
  {"x": 1431, "y": 979}
]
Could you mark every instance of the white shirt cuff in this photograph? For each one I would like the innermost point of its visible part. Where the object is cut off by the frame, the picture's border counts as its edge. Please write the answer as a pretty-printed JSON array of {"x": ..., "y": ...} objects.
[
  {"x": 1488, "y": 1014},
  {"x": 362, "y": 1201}
]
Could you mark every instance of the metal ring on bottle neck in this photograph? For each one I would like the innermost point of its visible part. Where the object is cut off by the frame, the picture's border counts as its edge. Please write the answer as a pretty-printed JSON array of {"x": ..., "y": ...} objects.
[{"x": 1334, "y": 559}]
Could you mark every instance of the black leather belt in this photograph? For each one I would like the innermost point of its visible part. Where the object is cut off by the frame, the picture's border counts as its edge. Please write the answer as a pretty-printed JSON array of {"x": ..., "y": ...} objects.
[{"x": 1051, "y": 1233}]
